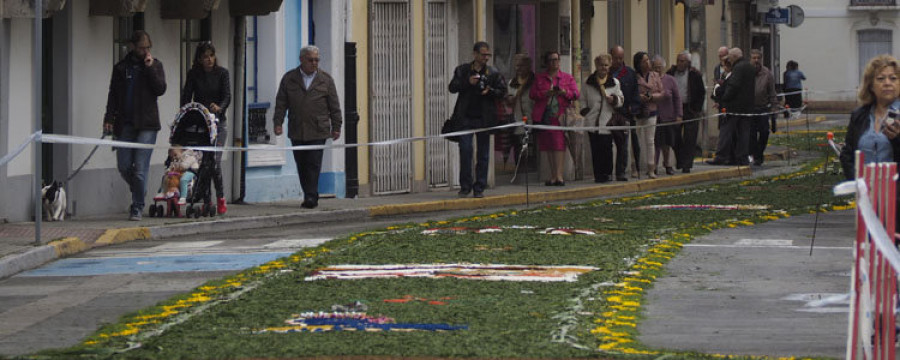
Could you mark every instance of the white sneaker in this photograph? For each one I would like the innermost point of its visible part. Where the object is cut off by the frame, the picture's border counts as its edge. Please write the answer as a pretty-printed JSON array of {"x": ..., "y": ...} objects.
[{"x": 182, "y": 201}]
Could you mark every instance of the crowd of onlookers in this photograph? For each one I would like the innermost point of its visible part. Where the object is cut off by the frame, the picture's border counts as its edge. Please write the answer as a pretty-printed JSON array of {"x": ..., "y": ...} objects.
[{"x": 648, "y": 109}]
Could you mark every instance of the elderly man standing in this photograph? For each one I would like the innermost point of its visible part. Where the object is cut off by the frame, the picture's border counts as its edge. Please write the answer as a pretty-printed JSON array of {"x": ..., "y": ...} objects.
[
  {"x": 479, "y": 86},
  {"x": 738, "y": 98},
  {"x": 310, "y": 98},
  {"x": 132, "y": 114},
  {"x": 693, "y": 93},
  {"x": 765, "y": 102},
  {"x": 632, "y": 106}
]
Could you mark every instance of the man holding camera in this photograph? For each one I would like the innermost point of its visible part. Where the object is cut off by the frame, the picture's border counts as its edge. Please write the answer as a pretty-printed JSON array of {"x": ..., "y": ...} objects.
[{"x": 479, "y": 87}]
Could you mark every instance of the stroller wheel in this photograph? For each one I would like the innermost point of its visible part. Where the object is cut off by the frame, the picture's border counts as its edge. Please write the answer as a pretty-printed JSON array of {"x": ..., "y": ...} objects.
[
  {"x": 197, "y": 212},
  {"x": 177, "y": 209},
  {"x": 188, "y": 211},
  {"x": 211, "y": 210},
  {"x": 152, "y": 211}
]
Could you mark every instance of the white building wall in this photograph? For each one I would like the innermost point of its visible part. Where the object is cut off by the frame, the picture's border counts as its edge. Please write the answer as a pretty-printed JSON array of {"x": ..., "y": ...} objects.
[
  {"x": 21, "y": 107},
  {"x": 826, "y": 46},
  {"x": 330, "y": 34},
  {"x": 92, "y": 63}
]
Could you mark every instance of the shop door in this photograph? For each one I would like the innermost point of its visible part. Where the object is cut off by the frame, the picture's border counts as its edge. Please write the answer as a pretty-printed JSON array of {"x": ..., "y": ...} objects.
[
  {"x": 391, "y": 97},
  {"x": 441, "y": 155},
  {"x": 517, "y": 29}
]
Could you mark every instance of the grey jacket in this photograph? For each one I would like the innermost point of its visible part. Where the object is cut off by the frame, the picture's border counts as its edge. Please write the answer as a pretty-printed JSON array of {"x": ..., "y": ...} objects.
[{"x": 314, "y": 113}]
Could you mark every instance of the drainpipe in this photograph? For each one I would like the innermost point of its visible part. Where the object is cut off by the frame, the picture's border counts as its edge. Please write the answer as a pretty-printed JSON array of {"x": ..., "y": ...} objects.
[
  {"x": 240, "y": 91},
  {"x": 38, "y": 92},
  {"x": 352, "y": 119}
]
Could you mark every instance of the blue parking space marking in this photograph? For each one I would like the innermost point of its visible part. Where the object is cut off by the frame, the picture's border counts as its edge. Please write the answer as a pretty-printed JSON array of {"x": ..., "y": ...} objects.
[{"x": 154, "y": 264}]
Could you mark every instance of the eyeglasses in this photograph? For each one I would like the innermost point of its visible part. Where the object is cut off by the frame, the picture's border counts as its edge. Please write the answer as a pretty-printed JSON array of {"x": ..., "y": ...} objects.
[
  {"x": 485, "y": 54},
  {"x": 553, "y": 59},
  {"x": 313, "y": 59}
]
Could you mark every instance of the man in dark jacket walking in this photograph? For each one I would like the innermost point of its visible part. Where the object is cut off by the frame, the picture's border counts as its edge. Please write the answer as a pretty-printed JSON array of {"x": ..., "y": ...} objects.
[
  {"x": 132, "y": 114},
  {"x": 479, "y": 86},
  {"x": 693, "y": 93},
  {"x": 309, "y": 97},
  {"x": 738, "y": 98},
  {"x": 630, "y": 108}
]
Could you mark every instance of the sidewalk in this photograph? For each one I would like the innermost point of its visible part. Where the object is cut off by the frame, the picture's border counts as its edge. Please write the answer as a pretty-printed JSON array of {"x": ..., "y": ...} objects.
[{"x": 18, "y": 251}]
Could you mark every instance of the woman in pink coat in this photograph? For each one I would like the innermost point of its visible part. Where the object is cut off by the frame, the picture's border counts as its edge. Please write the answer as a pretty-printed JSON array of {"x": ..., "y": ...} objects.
[{"x": 552, "y": 92}]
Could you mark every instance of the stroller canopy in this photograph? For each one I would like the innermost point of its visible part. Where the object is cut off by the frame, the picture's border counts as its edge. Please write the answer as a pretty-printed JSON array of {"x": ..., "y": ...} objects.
[{"x": 194, "y": 125}]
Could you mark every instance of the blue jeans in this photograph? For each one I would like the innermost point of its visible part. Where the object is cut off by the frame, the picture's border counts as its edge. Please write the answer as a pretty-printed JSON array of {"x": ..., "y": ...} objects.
[
  {"x": 134, "y": 164},
  {"x": 465, "y": 161}
]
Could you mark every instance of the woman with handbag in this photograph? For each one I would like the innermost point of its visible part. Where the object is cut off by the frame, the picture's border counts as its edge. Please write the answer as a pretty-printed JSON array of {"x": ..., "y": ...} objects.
[
  {"x": 601, "y": 95},
  {"x": 650, "y": 88},
  {"x": 552, "y": 93}
]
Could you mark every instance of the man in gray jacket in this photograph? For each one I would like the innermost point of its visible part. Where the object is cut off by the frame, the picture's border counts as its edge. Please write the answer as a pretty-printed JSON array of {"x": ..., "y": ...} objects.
[{"x": 309, "y": 97}]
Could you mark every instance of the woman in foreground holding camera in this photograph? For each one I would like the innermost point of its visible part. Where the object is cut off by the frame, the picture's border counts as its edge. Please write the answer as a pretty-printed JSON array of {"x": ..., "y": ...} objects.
[
  {"x": 874, "y": 126},
  {"x": 552, "y": 92}
]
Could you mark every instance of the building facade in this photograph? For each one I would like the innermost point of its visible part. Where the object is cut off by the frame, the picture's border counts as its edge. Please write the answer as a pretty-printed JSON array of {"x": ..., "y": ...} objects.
[
  {"x": 834, "y": 43},
  {"x": 391, "y": 61}
]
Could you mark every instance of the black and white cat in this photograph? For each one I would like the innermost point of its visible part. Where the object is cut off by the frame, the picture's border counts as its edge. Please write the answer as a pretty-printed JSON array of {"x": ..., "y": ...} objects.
[{"x": 54, "y": 201}]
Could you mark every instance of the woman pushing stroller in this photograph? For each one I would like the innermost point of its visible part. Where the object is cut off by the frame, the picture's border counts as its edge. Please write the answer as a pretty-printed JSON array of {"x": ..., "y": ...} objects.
[{"x": 208, "y": 84}]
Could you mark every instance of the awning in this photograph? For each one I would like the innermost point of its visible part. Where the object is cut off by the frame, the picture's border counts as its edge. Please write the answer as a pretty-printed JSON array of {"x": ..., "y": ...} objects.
[
  {"x": 253, "y": 7},
  {"x": 116, "y": 7},
  {"x": 25, "y": 8},
  {"x": 187, "y": 9}
]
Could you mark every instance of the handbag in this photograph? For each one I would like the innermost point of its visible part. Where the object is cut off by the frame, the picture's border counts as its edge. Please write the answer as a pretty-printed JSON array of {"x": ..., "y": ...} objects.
[
  {"x": 451, "y": 125},
  {"x": 547, "y": 116},
  {"x": 617, "y": 119}
]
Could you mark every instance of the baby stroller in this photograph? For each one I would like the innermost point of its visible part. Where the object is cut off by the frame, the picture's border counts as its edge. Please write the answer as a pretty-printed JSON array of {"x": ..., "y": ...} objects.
[{"x": 194, "y": 125}]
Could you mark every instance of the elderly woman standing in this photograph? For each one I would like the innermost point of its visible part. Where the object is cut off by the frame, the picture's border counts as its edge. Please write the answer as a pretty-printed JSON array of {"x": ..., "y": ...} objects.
[
  {"x": 518, "y": 100},
  {"x": 871, "y": 130},
  {"x": 670, "y": 113},
  {"x": 552, "y": 92},
  {"x": 601, "y": 95},
  {"x": 650, "y": 88},
  {"x": 208, "y": 83}
]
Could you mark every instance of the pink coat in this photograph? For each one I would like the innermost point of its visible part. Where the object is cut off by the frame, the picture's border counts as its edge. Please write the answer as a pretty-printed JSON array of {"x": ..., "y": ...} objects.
[{"x": 542, "y": 84}]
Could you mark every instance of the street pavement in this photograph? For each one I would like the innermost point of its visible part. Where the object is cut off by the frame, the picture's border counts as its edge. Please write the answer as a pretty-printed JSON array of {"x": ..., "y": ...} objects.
[
  {"x": 153, "y": 260},
  {"x": 756, "y": 290}
]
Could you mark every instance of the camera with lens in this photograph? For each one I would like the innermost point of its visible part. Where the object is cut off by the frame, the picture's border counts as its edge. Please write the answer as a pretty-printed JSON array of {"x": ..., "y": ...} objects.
[{"x": 482, "y": 81}]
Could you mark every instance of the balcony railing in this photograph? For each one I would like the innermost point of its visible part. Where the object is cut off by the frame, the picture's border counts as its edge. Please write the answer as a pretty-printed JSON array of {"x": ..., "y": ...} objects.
[{"x": 873, "y": 2}]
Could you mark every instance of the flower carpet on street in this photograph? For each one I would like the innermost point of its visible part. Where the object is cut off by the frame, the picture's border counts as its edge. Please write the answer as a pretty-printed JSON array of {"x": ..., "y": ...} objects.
[
  {"x": 593, "y": 316},
  {"x": 351, "y": 321},
  {"x": 497, "y": 272}
]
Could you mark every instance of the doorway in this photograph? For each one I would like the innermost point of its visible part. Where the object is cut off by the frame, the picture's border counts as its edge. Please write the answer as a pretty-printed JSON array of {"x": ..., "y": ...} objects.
[{"x": 519, "y": 29}]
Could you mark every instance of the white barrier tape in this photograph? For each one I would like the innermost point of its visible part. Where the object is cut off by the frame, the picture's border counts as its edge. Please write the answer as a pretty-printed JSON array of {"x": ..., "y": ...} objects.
[
  {"x": 806, "y": 91},
  {"x": 880, "y": 237},
  {"x": 70, "y": 139},
  {"x": 8, "y": 157}
]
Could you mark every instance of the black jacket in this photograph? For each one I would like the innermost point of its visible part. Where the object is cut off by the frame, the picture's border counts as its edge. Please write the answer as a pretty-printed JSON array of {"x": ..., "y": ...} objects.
[
  {"x": 467, "y": 92},
  {"x": 740, "y": 88},
  {"x": 150, "y": 84},
  {"x": 207, "y": 88},
  {"x": 859, "y": 124},
  {"x": 696, "y": 89},
  {"x": 628, "y": 82}
]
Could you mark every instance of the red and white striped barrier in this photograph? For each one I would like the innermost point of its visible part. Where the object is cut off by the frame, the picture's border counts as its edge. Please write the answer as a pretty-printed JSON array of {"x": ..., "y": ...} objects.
[{"x": 873, "y": 290}]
